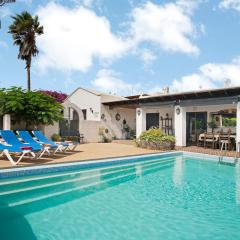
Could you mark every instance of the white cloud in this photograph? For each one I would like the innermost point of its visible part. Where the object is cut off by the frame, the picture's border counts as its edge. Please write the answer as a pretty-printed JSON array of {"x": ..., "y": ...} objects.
[
  {"x": 168, "y": 26},
  {"x": 74, "y": 37},
  {"x": 5, "y": 12},
  {"x": 188, "y": 5},
  {"x": 87, "y": 3},
  {"x": 26, "y": 1},
  {"x": 227, "y": 4},
  {"x": 156, "y": 89},
  {"x": 108, "y": 81},
  {"x": 210, "y": 75},
  {"x": 191, "y": 82},
  {"x": 147, "y": 56}
]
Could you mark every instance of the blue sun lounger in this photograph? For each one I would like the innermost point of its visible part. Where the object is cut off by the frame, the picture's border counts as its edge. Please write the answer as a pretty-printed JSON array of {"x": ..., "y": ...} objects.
[
  {"x": 61, "y": 146},
  {"x": 44, "y": 140},
  {"x": 27, "y": 138},
  {"x": 7, "y": 150},
  {"x": 11, "y": 139}
]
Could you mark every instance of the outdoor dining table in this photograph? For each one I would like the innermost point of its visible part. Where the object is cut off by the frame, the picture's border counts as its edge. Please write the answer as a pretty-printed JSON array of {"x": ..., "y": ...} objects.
[
  {"x": 217, "y": 137},
  {"x": 201, "y": 136}
]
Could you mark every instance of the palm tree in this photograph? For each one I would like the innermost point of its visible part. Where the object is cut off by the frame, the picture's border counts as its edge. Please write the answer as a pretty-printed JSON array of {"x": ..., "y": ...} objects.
[{"x": 24, "y": 30}]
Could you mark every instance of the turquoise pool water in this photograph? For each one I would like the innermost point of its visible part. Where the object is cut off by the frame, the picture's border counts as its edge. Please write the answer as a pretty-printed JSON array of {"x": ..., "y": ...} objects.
[{"x": 178, "y": 197}]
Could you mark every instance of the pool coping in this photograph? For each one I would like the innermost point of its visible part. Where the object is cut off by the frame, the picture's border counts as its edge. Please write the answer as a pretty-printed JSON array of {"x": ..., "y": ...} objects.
[{"x": 68, "y": 166}]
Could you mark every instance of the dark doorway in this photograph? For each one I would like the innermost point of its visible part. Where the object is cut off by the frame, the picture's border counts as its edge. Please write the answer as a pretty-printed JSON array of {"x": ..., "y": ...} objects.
[
  {"x": 196, "y": 124},
  {"x": 70, "y": 127},
  {"x": 152, "y": 120}
]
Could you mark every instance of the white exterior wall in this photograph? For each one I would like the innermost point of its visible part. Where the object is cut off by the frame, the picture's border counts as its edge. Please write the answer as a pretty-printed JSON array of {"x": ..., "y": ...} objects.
[
  {"x": 83, "y": 99},
  {"x": 87, "y": 100},
  {"x": 90, "y": 130},
  {"x": 115, "y": 127},
  {"x": 162, "y": 112},
  {"x": 141, "y": 119},
  {"x": 179, "y": 121},
  {"x": 49, "y": 130}
]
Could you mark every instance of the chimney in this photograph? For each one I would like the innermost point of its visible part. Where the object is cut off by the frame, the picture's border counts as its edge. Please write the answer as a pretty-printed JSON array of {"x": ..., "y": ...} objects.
[{"x": 165, "y": 90}]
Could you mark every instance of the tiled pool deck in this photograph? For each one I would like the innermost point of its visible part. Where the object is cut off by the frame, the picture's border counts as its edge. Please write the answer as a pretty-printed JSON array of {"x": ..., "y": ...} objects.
[
  {"x": 84, "y": 152},
  {"x": 94, "y": 151},
  {"x": 209, "y": 151}
]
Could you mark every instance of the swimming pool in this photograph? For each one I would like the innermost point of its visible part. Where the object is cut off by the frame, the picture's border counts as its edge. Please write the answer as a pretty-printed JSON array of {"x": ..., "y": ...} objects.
[{"x": 166, "y": 196}]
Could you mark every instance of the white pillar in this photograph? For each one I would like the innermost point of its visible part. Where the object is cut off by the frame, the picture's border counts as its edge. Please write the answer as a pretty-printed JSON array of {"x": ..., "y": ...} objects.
[
  {"x": 238, "y": 123},
  {"x": 140, "y": 121},
  {"x": 6, "y": 122},
  {"x": 180, "y": 126}
]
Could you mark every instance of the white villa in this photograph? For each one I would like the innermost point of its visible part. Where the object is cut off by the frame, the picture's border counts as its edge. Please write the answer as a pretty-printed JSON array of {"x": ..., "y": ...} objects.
[{"x": 179, "y": 114}]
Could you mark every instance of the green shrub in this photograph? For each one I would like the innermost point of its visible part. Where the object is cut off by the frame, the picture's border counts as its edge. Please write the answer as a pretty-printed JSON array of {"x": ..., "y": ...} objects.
[
  {"x": 56, "y": 137},
  {"x": 229, "y": 122},
  {"x": 212, "y": 124},
  {"x": 70, "y": 138},
  {"x": 33, "y": 108},
  {"x": 156, "y": 139}
]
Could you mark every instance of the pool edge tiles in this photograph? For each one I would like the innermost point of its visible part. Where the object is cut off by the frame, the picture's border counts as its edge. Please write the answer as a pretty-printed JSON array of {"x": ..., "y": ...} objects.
[
  {"x": 58, "y": 167},
  {"x": 209, "y": 157}
]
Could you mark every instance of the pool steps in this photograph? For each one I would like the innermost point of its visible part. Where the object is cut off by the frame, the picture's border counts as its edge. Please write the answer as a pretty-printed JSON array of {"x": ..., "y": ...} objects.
[
  {"x": 78, "y": 178},
  {"x": 16, "y": 180},
  {"x": 29, "y": 195}
]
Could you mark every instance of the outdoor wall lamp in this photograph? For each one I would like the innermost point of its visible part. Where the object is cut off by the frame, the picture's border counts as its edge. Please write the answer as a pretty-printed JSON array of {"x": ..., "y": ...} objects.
[
  {"x": 178, "y": 110},
  {"x": 138, "y": 112},
  {"x": 118, "y": 117}
]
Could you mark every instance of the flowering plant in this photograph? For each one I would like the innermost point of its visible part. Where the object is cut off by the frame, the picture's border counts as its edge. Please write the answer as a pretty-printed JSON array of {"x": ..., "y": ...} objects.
[{"x": 58, "y": 96}]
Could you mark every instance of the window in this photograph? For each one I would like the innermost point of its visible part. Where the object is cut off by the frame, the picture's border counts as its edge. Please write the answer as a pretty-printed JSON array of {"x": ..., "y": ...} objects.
[{"x": 84, "y": 111}]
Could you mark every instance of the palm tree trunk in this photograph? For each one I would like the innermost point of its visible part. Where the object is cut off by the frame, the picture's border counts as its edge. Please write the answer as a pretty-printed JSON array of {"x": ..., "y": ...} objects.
[{"x": 28, "y": 79}]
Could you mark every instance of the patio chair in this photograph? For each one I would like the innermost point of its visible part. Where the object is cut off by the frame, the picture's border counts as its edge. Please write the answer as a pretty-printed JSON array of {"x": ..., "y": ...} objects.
[
  {"x": 61, "y": 146},
  {"x": 7, "y": 150},
  {"x": 201, "y": 140},
  {"x": 225, "y": 141},
  {"x": 27, "y": 138},
  {"x": 210, "y": 140},
  {"x": 11, "y": 139}
]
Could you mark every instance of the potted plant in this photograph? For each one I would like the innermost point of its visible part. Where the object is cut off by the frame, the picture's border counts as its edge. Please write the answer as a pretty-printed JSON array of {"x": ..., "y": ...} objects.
[
  {"x": 155, "y": 139},
  {"x": 125, "y": 130},
  {"x": 212, "y": 124},
  {"x": 101, "y": 135}
]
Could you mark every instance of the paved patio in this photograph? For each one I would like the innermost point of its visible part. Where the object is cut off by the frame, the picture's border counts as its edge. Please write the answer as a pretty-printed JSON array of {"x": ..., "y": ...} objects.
[
  {"x": 94, "y": 151},
  {"x": 206, "y": 151},
  {"x": 84, "y": 152}
]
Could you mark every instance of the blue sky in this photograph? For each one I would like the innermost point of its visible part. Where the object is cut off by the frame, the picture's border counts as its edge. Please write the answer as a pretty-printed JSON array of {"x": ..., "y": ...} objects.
[{"x": 127, "y": 46}]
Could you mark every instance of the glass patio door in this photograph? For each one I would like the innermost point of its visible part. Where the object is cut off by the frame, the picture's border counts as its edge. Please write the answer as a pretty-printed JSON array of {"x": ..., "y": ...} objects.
[{"x": 196, "y": 124}]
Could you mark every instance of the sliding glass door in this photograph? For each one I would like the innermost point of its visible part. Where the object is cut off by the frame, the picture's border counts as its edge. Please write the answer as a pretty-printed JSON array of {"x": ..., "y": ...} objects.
[{"x": 196, "y": 124}]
